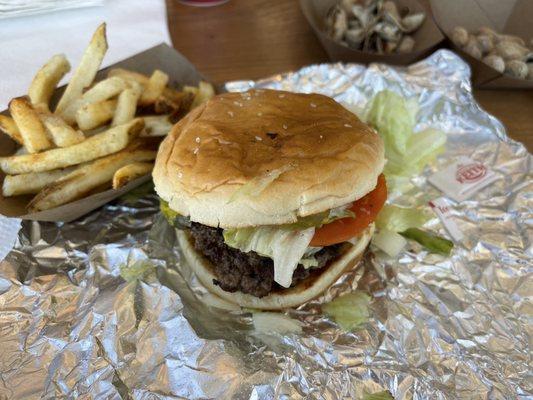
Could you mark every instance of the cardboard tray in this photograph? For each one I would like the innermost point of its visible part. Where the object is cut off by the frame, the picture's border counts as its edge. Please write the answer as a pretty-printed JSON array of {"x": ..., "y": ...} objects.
[
  {"x": 180, "y": 71},
  {"x": 427, "y": 37},
  {"x": 513, "y": 17}
]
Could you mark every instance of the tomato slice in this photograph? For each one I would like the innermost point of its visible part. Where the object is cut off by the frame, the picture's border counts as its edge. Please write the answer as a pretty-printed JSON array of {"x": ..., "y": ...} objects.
[{"x": 365, "y": 209}]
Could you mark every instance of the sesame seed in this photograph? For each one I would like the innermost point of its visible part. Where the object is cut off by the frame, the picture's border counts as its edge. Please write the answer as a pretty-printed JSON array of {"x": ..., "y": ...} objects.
[
  {"x": 284, "y": 126},
  {"x": 258, "y": 138},
  {"x": 237, "y": 103},
  {"x": 313, "y": 105},
  {"x": 180, "y": 175},
  {"x": 230, "y": 113},
  {"x": 197, "y": 140},
  {"x": 281, "y": 96},
  {"x": 259, "y": 114},
  {"x": 347, "y": 125},
  {"x": 195, "y": 151},
  {"x": 321, "y": 137}
]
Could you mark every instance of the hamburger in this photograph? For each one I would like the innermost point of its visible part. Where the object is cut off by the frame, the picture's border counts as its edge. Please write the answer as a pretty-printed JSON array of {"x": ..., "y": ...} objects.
[{"x": 273, "y": 193}]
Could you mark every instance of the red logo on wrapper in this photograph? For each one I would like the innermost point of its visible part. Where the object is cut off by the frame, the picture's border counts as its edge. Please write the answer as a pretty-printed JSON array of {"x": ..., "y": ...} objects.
[
  {"x": 461, "y": 179},
  {"x": 442, "y": 208},
  {"x": 470, "y": 173}
]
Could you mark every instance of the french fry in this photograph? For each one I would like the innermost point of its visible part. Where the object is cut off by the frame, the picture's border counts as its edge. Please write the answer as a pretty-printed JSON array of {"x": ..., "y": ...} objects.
[
  {"x": 100, "y": 92},
  {"x": 156, "y": 125},
  {"x": 127, "y": 104},
  {"x": 131, "y": 172},
  {"x": 85, "y": 73},
  {"x": 104, "y": 90},
  {"x": 62, "y": 134},
  {"x": 176, "y": 95},
  {"x": 99, "y": 145},
  {"x": 154, "y": 88},
  {"x": 45, "y": 81},
  {"x": 93, "y": 115},
  {"x": 9, "y": 127},
  {"x": 178, "y": 103},
  {"x": 88, "y": 177},
  {"x": 205, "y": 92},
  {"x": 29, "y": 125},
  {"x": 190, "y": 89},
  {"x": 164, "y": 105},
  {"x": 15, "y": 185},
  {"x": 130, "y": 76}
]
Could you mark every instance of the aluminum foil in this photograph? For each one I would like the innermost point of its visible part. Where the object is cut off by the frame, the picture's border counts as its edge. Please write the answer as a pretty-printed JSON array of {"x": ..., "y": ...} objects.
[{"x": 104, "y": 308}]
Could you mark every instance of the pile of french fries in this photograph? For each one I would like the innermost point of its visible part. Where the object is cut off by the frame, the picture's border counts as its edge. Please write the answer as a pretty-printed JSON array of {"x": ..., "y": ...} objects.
[{"x": 98, "y": 133}]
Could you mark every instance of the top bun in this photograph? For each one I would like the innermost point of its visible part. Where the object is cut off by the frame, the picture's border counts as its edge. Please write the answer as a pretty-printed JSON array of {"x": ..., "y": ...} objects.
[{"x": 304, "y": 152}]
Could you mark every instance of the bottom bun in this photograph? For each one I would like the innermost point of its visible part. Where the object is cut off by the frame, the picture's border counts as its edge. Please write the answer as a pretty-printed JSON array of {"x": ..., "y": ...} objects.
[{"x": 306, "y": 290}]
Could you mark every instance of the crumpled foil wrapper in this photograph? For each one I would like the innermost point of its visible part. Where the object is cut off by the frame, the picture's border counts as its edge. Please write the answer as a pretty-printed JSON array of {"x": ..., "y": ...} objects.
[{"x": 104, "y": 308}]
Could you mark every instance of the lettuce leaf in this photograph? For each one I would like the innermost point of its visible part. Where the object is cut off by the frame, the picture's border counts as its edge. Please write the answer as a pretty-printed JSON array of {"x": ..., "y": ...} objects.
[
  {"x": 422, "y": 148},
  {"x": 385, "y": 395},
  {"x": 390, "y": 242},
  {"x": 174, "y": 218},
  {"x": 338, "y": 213},
  {"x": 140, "y": 269},
  {"x": 394, "y": 119},
  {"x": 350, "y": 311},
  {"x": 309, "y": 262},
  {"x": 284, "y": 246},
  {"x": 323, "y": 218},
  {"x": 274, "y": 322},
  {"x": 398, "y": 219},
  {"x": 407, "y": 152},
  {"x": 167, "y": 212}
]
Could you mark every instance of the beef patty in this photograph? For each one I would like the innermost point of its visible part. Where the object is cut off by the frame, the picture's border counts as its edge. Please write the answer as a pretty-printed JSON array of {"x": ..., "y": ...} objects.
[{"x": 246, "y": 272}]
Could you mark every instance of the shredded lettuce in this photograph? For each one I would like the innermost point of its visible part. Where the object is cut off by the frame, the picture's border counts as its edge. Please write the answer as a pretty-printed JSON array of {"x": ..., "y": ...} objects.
[
  {"x": 140, "y": 269},
  {"x": 174, "y": 218},
  {"x": 407, "y": 153},
  {"x": 323, "y": 218},
  {"x": 350, "y": 311},
  {"x": 393, "y": 220},
  {"x": 398, "y": 219},
  {"x": 309, "y": 262},
  {"x": 385, "y": 395},
  {"x": 311, "y": 221},
  {"x": 167, "y": 212},
  {"x": 338, "y": 213},
  {"x": 433, "y": 243},
  {"x": 311, "y": 251},
  {"x": 285, "y": 247},
  {"x": 271, "y": 322},
  {"x": 394, "y": 118},
  {"x": 389, "y": 242}
]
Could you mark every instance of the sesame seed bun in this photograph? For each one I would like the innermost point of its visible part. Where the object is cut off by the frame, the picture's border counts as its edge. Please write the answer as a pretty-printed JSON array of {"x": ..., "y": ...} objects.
[
  {"x": 324, "y": 155},
  {"x": 313, "y": 286}
]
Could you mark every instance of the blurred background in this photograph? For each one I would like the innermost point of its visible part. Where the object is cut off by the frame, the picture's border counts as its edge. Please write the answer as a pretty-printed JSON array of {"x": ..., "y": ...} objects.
[{"x": 251, "y": 39}]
